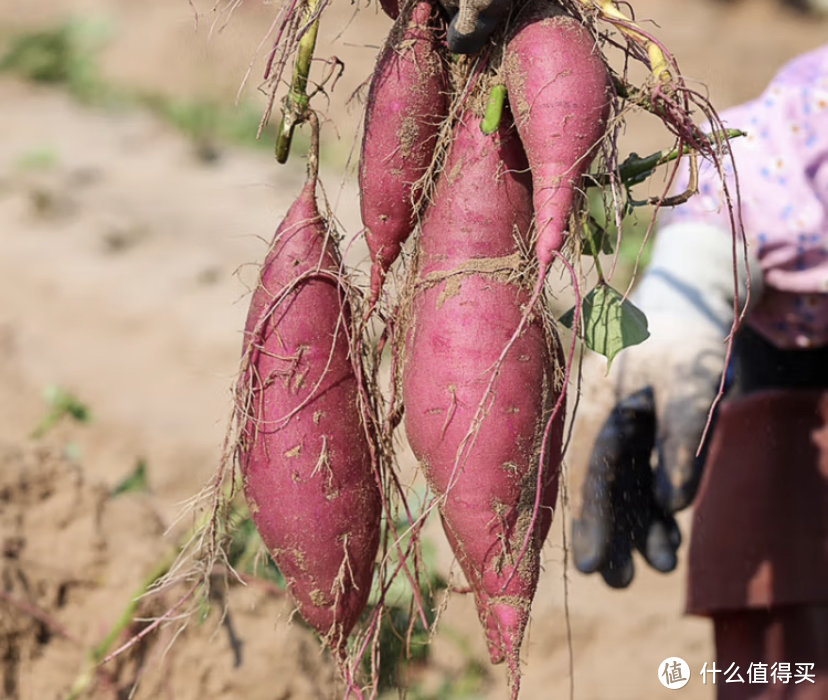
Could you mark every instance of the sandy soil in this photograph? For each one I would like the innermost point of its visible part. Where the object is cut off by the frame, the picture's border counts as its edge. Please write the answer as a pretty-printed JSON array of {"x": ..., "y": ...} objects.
[{"x": 124, "y": 269}]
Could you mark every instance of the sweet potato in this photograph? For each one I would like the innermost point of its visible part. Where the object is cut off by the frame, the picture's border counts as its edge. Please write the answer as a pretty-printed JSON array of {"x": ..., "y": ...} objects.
[
  {"x": 478, "y": 394},
  {"x": 559, "y": 90},
  {"x": 407, "y": 102},
  {"x": 391, "y": 8},
  {"x": 305, "y": 459}
]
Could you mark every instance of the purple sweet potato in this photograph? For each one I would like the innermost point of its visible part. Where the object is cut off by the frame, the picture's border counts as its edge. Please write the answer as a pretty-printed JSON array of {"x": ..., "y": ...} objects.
[
  {"x": 559, "y": 91},
  {"x": 407, "y": 102},
  {"x": 475, "y": 411},
  {"x": 391, "y": 8},
  {"x": 305, "y": 459}
]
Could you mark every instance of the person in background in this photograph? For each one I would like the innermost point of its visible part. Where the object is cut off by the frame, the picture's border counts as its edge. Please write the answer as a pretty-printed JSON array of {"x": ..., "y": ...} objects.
[{"x": 758, "y": 557}]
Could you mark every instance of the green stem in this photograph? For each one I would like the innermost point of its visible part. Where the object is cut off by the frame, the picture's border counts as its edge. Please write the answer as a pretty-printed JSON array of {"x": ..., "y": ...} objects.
[
  {"x": 494, "y": 110},
  {"x": 100, "y": 651},
  {"x": 96, "y": 655},
  {"x": 296, "y": 103},
  {"x": 594, "y": 252},
  {"x": 48, "y": 422},
  {"x": 632, "y": 94},
  {"x": 635, "y": 168},
  {"x": 84, "y": 681}
]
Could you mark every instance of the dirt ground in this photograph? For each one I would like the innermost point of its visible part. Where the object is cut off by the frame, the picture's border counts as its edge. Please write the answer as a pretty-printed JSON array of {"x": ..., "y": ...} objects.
[{"x": 123, "y": 277}]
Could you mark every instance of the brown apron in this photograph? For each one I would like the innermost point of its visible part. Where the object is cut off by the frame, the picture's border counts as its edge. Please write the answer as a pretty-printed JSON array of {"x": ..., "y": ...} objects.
[{"x": 760, "y": 522}]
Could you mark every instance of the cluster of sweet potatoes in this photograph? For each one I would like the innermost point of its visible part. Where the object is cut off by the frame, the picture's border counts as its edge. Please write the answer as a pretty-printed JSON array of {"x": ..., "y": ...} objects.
[{"x": 481, "y": 379}]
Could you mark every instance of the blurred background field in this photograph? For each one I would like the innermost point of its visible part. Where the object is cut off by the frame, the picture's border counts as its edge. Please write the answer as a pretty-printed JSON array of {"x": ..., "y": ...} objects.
[{"x": 135, "y": 202}]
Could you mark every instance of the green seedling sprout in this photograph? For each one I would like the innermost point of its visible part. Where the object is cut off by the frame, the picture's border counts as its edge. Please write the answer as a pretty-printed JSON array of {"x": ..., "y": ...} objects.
[{"x": 62, "y": 404}]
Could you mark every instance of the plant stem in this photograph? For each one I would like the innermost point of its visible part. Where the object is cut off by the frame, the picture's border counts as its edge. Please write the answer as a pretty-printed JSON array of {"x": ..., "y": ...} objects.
[
  {"x": 635, "y": 168},
  {"x": 494, "y": 110},
  {"x": 295, "y": 107},
  {"x": 610, "y": 13},
  {"x": 595, "y": 253},
  {"x": 84, "y": 681},
  {"x": 100, "y": 651}
]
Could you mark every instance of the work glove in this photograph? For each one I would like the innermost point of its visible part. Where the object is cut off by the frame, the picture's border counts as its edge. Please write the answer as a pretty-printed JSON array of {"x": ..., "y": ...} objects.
[
  {"x": 473, "y": 22},
  {"x": 643, "y": 424}
]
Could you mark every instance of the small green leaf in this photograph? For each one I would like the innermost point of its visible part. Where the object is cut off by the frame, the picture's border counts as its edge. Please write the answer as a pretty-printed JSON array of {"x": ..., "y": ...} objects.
[
  {"x": 568, "y": 319},
  {"x": 62, "y": 404},
  {"x": 137, "y": 481},
  {"x": 609, "y": 321},
  {"x": 636, "y": 169},
  {"x": 597, "y": 238}
]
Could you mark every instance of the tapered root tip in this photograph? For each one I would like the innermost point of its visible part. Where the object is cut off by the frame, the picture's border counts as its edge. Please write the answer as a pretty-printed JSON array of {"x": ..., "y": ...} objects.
[
  {"x": 378, "y": 271},
  {"x": 505, "y": 627},
  {"x": 494, "y": 641}
]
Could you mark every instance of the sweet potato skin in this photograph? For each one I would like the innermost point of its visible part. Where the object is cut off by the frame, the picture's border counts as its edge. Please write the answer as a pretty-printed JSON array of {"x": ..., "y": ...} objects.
[
  {"x": 481, "y": 452},
  {"x": 305, "y": 460},
  {"x": 559, "y": 90},
  {"x": 391, "y": 8},
  {"x": 407, "y": 102}
]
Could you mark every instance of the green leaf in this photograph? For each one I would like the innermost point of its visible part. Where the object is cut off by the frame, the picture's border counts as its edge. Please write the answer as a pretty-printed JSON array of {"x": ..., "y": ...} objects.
[
  {"x": 62, "y": 404},
  {"x": 636, "y": 169},
  {"x": 137, "y": 481},
  {"x": 610, "y": 322},
  {"x": 597, "y": 238},
  {"x": 67, "y": 403}
]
